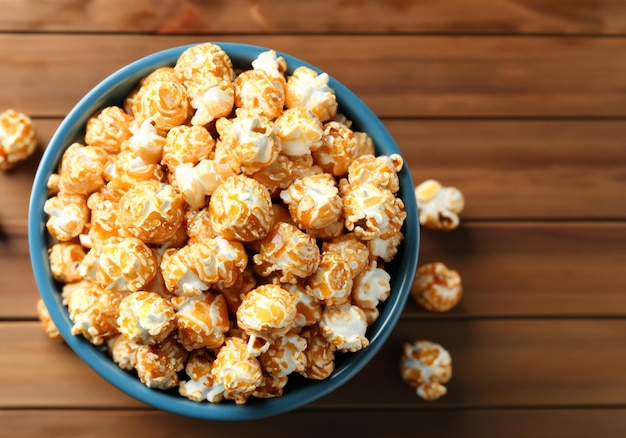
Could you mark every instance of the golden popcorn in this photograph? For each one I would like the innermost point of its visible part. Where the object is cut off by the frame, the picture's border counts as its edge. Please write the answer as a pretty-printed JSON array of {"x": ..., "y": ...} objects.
[
  {"x": 203, "y": 61},
  {"x": 164, "y": 103},
  {"x": 178, "y": 274},
  {"x": 158, "y": 365},
  {"x": 151, "y": 211},
  {"x": 123, "y": 351},
  {"x": 285, "y": 355},
  {"x": 201, "y": 321},
  {"x": 108, "y": 129},
  {"x": 439, "y": 206},
  {"x": 18, "y": 139},
  {"x": 332, "y": 281},
  {"x": 313, "y": 201},
  {"x": 287, "y": 251},
  {"x": 338, "y": 149},
  {"x": 382, "y": 171},
  {"x": 67, "y": 215},
  {"x": 299, "y": 131},
  {"x": 255, "y": 91},
  {"x": 46, "y": 321},
  {"x": 306, "y": 88},
  {"x": 82, "y": 169},
  {"x": 426, "y": 366},
  {"x": 65, "y": 259},
  {"x": 436, "y": 287},
  {"x": 276, "y": 176},
  {"x": 146, "y": 318},
  {"x": 320, "y": 354},
  {"x": 371, "y": 287},
  {"x": 187, "y": 144},
  {"x": 344, "y": 327},
  {"x": 125, "y": 264},
  {"x": 236, "y": 370},
  {"x": 218, "y": 261},
  {"x": 241, "y": 209},
  {"x": 201, "y": 384}
]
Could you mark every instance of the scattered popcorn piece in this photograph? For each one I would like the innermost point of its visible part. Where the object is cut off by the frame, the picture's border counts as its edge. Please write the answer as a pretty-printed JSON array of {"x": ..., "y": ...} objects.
[
  {"x": 18, "y": 139},
  {"x": 67, "y": 215},
  {"x": 436, "y": 287},
  {"x": 158, "y": 365},
  {"x": 241, "y": 209},
  {"x": 65, "y": 259},
  {"x": 268, "y": 312},
  {"x": 146, "y": 318},
  {"x": 439, "y": 206},
  {"x": 108, "y": 129},
  {"x": 125, "y": 264},
  {"x": 320, "y": 354},
  {"x": 288, "y": 251},
  {"x": 426, "y": 366},
  {"x": 344, "y": 327},
  {"x": 202, "y": 320},
  {"x": 153, "y": 211},
  {"x": 313, "y": 201},
  {"x": 306, "y": 88},
  {"x": 237, "y": 371},
  {"x": 46, "y": 321}
]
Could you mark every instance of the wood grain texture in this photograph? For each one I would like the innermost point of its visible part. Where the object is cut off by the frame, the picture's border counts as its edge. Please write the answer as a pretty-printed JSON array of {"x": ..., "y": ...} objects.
[
  {"x": 399, "y": 76},
  {"x": 604, "y": 17},
  {"x": 509, "y": 269},
  {"x": 496, "y": 363},
  {"x": 555, "y": 423}
]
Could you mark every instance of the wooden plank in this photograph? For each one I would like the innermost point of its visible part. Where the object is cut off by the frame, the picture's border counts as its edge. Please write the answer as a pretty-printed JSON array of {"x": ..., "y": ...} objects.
[
  {"x": 558, "y": 423},
  {"x": 506, "y": 169},
  {"x": 398, "y": 76},
  {"x": 530, "y": 363},
  {"x": 327, "y": 16},
  {"x": 508, "y": 269}
]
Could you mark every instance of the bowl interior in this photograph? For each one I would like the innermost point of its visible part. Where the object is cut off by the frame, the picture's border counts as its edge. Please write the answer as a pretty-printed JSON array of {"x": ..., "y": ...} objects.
[{"x": 299, "y": 391}]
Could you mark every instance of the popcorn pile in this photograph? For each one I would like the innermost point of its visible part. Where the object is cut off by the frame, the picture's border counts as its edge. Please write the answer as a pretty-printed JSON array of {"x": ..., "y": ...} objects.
[{"x": 220, "y": 232}]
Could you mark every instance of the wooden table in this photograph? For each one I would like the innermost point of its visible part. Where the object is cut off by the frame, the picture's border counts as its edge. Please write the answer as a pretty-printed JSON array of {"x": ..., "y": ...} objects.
[{"x": 520, "y": 104}]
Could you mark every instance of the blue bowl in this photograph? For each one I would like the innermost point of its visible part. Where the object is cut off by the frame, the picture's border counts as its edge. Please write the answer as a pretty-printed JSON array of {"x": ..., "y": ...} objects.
[{"x": 298, "y": 392}]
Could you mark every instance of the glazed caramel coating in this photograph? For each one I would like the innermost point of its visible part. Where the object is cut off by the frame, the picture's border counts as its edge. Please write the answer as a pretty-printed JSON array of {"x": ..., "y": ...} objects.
[
  {"x": 287, "y": 251},
  {"x": 187, "y": 144},
  {"x": 285, "y": 355},
  {"x": 18, "y": 139},
  {"x": 426, "y": 366},
  {"x": 108, "y": 129},
  {"x": 338, "y": 149},
  {"x": 276, "y": 176},
  {"x": 320, "y": 354},
  {"x": 178, "y": 274},
  {"x": 246, "y": 281},
  {"x": 382, "y": 171},
  {"x": 201, "y": 385},
  {"x": 218, "y": 261},
  {"x": 198, "y": 225},
  {"x": 93, "y": 311},
  {"x": 103, "y": 206},
  {"x": 237, "y": 370},
  {"x": 371, "y": 211},
  {"x": 67, "y": 215},
  {"x": 437, "y": 288},
  {"x": 215, "y": 99},
  {"x": 146, "y": 318},
  {"x": 332, "y": 281},
  {"x": 132, "y": 102},
  {"x": 306, "y": 88},
  {"x": 385, "y": 249},
  {"x": 146, "y": 143},
  {"x": 350, "y": 248},
  {"x": 151, "y": 211},
  {"x": 201, "y": 321},
  {"x": 125, "y": 264},
  {"x": 241, "y": 209},
  {"x": 46, "y": 321},
  {"x": 256, "y": 91},
  {"x": 129, "y": 168},
  {"x": 309, "y": 308},
  {"x": 123, "y": 352},
  {"x": 203, "y": 61},
  {"x": 299, "y": 130},
  {"x": 313, "y": 201},
  {"x": 65, "y": 259},
  {"x": 268, "y": 311},
  {"x": 164, "y": 103},
  {"x": 158, "y": 365},
  {"x": 82, "y": 169}
]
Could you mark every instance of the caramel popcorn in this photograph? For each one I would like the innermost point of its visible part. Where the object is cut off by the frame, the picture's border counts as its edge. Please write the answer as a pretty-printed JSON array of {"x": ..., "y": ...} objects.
[
  {"x": 426, "y": 366},
  {"x": 18, "y": 139},
  {"x": 306, "y": 88},
  {"x": 223, "y": 230},
  {"x": 146, "y": 318},
  {"x": 241, "y": 209},
  {"x": 437, "y": 288},
  {"x": 108, "y": 129},
  {"x": 313, "y": 201},
  {"x": 439, "y": 206}
]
